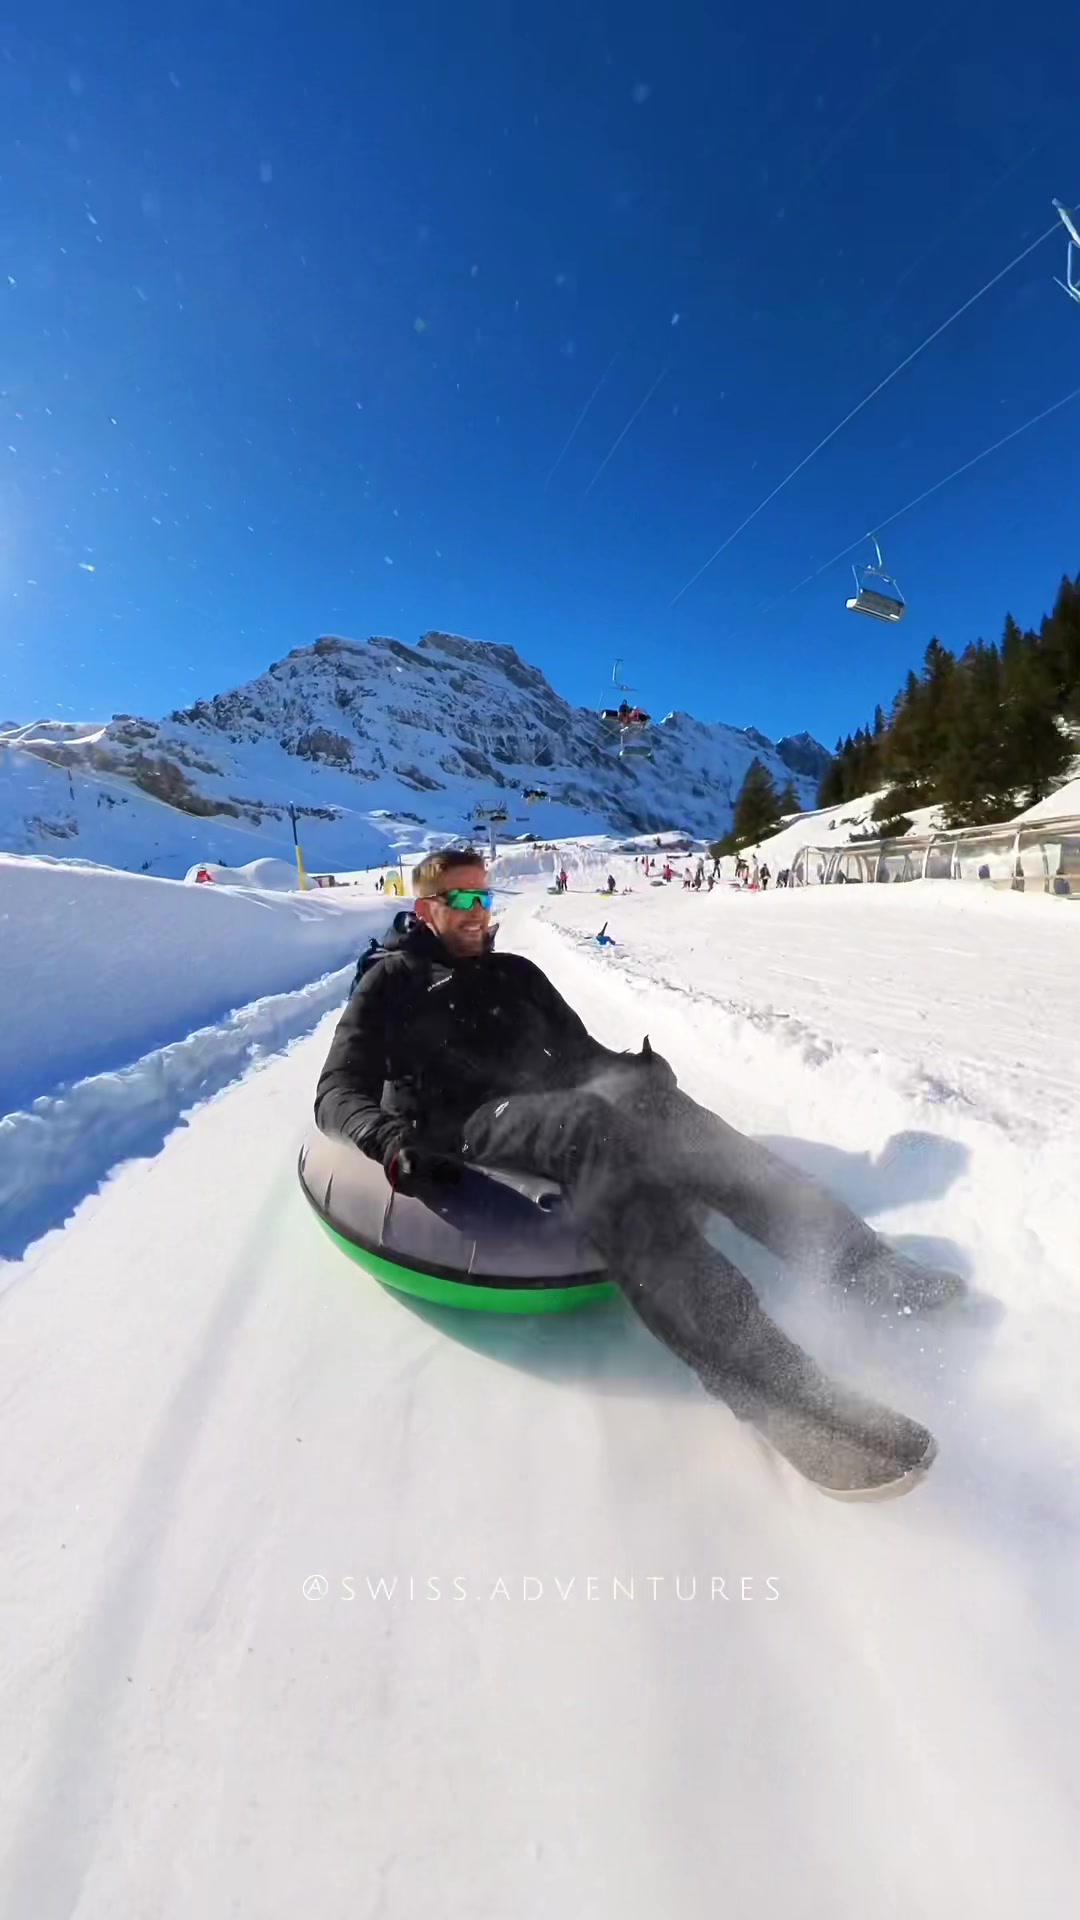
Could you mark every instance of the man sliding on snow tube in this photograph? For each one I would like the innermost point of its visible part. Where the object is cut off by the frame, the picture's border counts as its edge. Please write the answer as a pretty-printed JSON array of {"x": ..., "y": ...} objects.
[{"x": 448, "y": 1051}]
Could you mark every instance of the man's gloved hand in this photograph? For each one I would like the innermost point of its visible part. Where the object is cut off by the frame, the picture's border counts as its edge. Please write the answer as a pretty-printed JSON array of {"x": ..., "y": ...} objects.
[{"x": 416, "y": 1169}]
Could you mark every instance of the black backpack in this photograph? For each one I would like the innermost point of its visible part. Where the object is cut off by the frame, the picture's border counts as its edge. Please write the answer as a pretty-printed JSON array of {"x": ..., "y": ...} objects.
[{"x": 377, "y": 950}]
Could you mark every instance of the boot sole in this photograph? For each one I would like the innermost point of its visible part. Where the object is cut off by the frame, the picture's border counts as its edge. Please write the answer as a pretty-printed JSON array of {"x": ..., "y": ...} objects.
[{"x": 891, "y": 1489}]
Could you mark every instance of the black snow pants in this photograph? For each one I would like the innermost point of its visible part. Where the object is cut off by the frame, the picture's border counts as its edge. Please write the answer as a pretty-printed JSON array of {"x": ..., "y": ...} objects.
[{"x": 641, "y": 1163}]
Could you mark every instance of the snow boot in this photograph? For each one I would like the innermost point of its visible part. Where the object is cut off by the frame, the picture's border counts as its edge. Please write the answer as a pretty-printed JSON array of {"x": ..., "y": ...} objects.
[
  {"x": 884, "y": 1278},
  {"x": 849, "y": 1446}
]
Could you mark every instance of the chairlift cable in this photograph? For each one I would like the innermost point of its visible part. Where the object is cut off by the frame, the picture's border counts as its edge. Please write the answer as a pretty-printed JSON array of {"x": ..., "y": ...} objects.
[
  {"x": 640, "y": 408},
  {"x": 881, "y": 385},
  {"x": 567, "y": 442},
  {"x": 919, "y": 498}
]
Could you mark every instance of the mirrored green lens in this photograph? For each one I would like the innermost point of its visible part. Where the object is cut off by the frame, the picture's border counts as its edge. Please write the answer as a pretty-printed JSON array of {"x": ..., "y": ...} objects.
[{"x": 463, "y": 898}]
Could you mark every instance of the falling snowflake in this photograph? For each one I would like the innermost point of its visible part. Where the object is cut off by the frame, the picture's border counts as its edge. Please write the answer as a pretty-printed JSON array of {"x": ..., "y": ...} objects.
[
  {"x": 87, "y": 566},
  {"x": 675, "y": 318},
  {"x": 388, "y": 560},
  {"x": 641, "y": 93},
  {"x": 266, "y": 172}
]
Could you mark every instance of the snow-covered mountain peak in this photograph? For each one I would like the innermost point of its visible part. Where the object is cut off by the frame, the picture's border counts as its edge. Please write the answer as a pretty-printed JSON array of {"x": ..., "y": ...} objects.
[{"x": 378, "y": 746}]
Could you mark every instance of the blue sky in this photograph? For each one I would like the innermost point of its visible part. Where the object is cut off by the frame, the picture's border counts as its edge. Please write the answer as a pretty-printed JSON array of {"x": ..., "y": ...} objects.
[{"x": 300, "y": 306}]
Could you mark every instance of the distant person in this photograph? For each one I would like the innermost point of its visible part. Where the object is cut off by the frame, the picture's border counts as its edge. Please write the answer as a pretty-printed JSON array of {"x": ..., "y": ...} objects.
[
  {"x": 765, "y": 877},
  {"x": 450, "y": 1054}
]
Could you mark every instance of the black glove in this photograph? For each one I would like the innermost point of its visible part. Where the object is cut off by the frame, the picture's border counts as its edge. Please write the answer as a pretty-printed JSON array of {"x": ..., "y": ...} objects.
[{"x": 417, "y": 1169}]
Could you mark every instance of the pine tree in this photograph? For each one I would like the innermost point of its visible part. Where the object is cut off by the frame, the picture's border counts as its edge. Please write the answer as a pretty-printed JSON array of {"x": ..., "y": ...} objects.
[
  {"x": 830, "y": 791},
  {"x": 757, "y": 808},
  {"x": 902, "y": 761},
  {"x": 1038, "y": 752},
  {"x": 789, "y": 799},
  {"x": 939, "y": 670},
  {"x": 975, "y": 782},
  {"x": 1059, "y": 645}
]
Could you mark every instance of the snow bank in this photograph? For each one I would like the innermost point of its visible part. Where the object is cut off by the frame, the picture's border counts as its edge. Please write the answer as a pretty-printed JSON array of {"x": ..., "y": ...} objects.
[
  {"x": 1065, "y": 800},
  {"x": 67, "y": 1144},
  {"x": 265, "y": 876},
  {"x": 98, "y": 967}
]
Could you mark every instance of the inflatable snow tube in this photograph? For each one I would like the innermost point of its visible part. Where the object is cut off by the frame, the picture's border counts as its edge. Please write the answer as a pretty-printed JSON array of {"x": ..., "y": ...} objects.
[{"x": 492, "y": 1243}]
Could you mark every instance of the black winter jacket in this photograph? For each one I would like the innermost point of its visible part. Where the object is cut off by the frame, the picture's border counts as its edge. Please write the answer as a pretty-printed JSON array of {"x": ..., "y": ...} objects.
[{"x": 425, "y": 1039}]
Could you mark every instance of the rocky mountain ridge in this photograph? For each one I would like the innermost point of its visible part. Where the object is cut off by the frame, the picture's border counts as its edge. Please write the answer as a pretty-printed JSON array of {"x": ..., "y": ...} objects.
[{"x": 371, "y": 740}]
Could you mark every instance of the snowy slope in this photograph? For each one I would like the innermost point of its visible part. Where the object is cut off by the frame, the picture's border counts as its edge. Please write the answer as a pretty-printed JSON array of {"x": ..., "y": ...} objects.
[
  {"x": 834, "y": 826},
  {"x": 381, "y": 748},
  {"x": 210, "y": 1408},
  {"x": 1064, "y": 800}
]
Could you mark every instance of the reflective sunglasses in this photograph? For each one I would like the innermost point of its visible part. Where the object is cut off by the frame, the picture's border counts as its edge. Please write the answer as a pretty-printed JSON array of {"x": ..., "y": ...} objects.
[{"x": 461, "y": 899}]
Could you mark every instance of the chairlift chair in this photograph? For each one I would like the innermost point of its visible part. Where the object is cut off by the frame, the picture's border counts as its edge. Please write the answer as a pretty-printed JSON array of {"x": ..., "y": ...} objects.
[
  {"x": 626, "y": 721},
  {"x": 1071, "y": 282},
  {"x": 867, "y": 599},
  {"x": 613, "y": 716}
]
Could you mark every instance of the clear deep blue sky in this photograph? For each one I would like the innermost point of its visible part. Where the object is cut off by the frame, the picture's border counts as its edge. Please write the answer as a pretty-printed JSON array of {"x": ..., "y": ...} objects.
[{"x": 288, "y": 293}]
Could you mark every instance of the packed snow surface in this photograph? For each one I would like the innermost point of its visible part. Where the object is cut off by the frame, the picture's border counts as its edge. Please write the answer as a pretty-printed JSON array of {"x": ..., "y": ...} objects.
[{"x": 323, "y": 1603}]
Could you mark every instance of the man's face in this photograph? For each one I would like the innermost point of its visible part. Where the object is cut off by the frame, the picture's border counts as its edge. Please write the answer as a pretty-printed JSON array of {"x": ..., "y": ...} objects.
[{"x": 462, "y": 933}]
